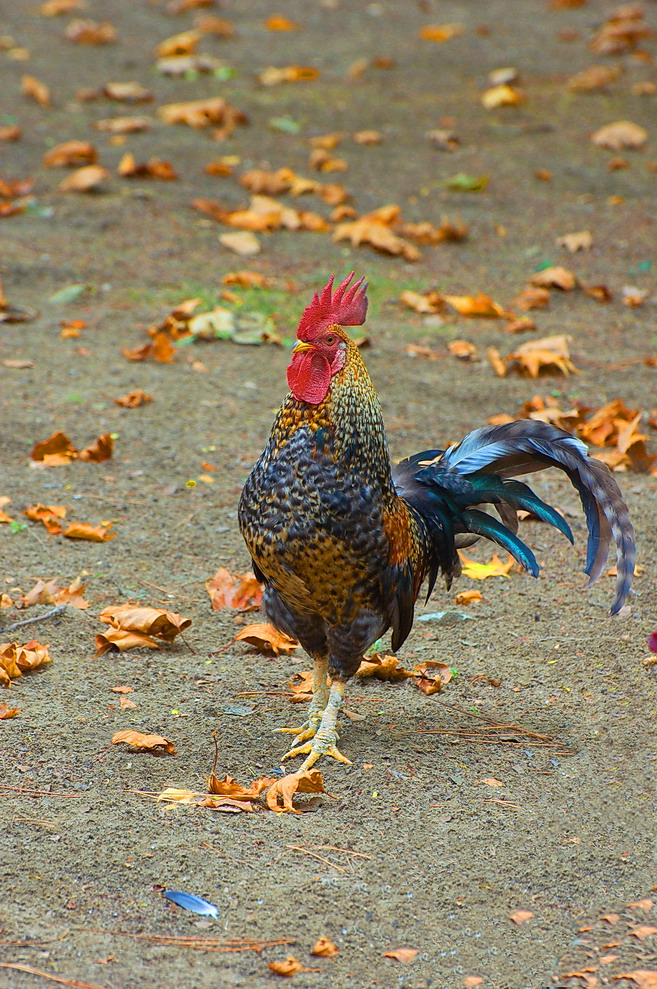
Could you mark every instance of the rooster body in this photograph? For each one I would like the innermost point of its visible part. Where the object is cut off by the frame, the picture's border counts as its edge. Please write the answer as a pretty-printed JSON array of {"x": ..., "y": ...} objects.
[{"x": 343, "y": 542}]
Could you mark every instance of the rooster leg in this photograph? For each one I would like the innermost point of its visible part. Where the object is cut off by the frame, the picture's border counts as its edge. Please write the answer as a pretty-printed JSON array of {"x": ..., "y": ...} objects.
[
  {"x": 326, "y": 736},
  {"x": 319, "y": 701}
]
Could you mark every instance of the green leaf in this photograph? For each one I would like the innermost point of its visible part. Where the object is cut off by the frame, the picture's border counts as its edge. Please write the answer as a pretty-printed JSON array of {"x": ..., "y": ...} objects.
[
  {"x": 462, "y": 182},
  {"x": 285, "y": 124},
  {"x": 68, "y": 294}
]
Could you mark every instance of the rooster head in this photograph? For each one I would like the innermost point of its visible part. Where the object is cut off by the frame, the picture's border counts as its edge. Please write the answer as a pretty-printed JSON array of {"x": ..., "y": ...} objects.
[{"x": 321, "y": 350}]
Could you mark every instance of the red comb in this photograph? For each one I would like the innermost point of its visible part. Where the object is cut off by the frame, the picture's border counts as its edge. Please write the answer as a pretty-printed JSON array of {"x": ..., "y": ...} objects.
[{"x": 347, "y": 306}]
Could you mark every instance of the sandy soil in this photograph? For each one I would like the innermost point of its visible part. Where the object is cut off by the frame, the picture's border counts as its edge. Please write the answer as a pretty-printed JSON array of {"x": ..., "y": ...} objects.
[{"x": 443, "y": 857}]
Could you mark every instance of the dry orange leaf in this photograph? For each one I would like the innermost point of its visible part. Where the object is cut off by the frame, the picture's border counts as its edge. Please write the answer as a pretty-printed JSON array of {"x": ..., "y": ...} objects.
[
  {"x": 154, "y": 168},
  {"x": 10, "y": 132},
  {"x": 555, "y": 276},
  {"x": 242, "y": 242},
  {"x": 643, "y": 931},
  {"x": 503, "y": 95},
  {"x": 16, "y": 659},
  {"x": 281, "y": 793},
  {"x": 375, "y": 229},
  {"x": 462, "y": 349},
  {"x": 479, "y": 305},
  {"x": 324, "y": 948},
  {"x": 157, "y": 622},
  {"x": 7, "y": 712},
  {"x": 53, "y": 8},
  {"x": 228, "y": 590},
  {"x": 267, "y": 639},
  {"x": 621, "y": 134},
  {"x": 127, "y": 92},
  {"x": 581, "y": 240},
  {"x": 229, "y": 787},
  {"x": 133, "y": 399},
  {"x": 480, "y": 571},
  {"x": 520, "y": 916},
  {"x": 116, "y": 638},
  {"x": 367, "y": 137},
  {"x": 467, "y": 597},
  {"x": 531, "y": 297},
  {"x": 441, "y": 32},
  {"x": 36, "y": 90},
  {"x": 202, "y": 113},
  {"x": 288, "y": 73},
  {"x": 85, "y": 179},
  {"x": 279, "y": 23},
  {"x": 593, "y": 78},
  {"x": 382, "y": 668},
  {"x": 49, "y": 592},
  {"x": 92, "y": 533},
  {"x": 290, "y": 966},
  {"x": 57, "y": 445},
  {"x": 184, "y": 43},
  {"x": 70, "y": 153},
  {"x": 100, "y": 450},
  {"x": 87, "y": 32},
  {"x": 302, "y": 687},
  {"x": 472, "y": 981},
  {"x": 432, "y": 682},
  {"x": 48, "y": 515},
  {"x": 124, "y": 125},
  {"x": 404, "y": 955},
  {"x": 496, "y": 362},
  {"x": 144, "y": 743},
  {"x": 642, "y": 977},
  {"x": 422, "y": 302},
  {"x": 245, "y": 279},
  {"x": 548, "y": 352}
]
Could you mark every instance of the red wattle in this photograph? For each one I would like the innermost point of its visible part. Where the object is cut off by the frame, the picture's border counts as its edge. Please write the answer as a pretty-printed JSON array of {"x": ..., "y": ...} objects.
[{"x": 309, "y": 376}]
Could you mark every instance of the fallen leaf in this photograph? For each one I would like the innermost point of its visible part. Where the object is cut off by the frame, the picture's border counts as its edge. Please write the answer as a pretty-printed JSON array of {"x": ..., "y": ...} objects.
[
  {"x": 133, "y": 399},
  {"x": 229, "y": 787},
  {"x": 99, "y": 451},
  {"x": 183, "y": 43},
  {"x": 16, "y": 363},
  {"x": 116, "y": 638},
  {"x": 87, "y": 32},
  {"x": 479, "y": 305},
  {"x": 441, "y": 32},
  {"x": 645, "y": 904},
  {"x": 10, "y": 132},
  {"x": 621, "y": 134},
  {"x": 496, "y": 362},
  {"x": 462, "y": 182},
  {"x": 580, "y": 241},
  {"x": 472, "y": 981},
  {"x": 155, "y": 622},
  {"x": 422, "y": 302},
  {"x": 16, "y": 659},
  {"x": 531, "y": 297},
  {"x": 92, "y": 533},
  {"x": 404, "y": 955},
  {"x": 124, "y": 125},
  {"x": 267, "y": 639},
  {"x": 302, "y": 686},
  {"x": 272, "y": 76},
  {"x": 594, "y": 78},
  {"x": 85, "y": 179},
  {"x": 228, "y": 590},
  {"x": 154, "y": 168},
  {"x": 554, "y": 277},
  {"x": 324, "y": 948},
  {"x": 642, "y": 977},
  {"x": 375, "y": 229},
  {"x": 245, "y": 279},
  {"x": 290, "y": 966},
  {"x": 36, "y": 90},
  {"x": 427, "y": 682},
  {"x": 7, "y": 712},
  {"x": 49, "y": 592},
  {"x": 144, "y": 743},
  {"x": 70, "y": 153},
  {"x": 126, "y": 702},
  {"x": 503, "y": 95},
  {"x": 56, "y": 446},
  {"x": 367, "y": 137},
  {"x": 467, "y": 597},
  {"x": 279, "y": 23},
  {"x": 491, "y": 781},
  {"x": 547, "y": 353},
  {"x": 520, "y": 916},
  {"x": 53, "y": 8},
  {"x": 127, "y": 92},
  {"x": 463, "y": 350},
  {"x": 123, "y": 689},
  {"x": 198, "y": 114},
  {"x": 382, "y": 668},
  {"x": 242, "y": 242},
  {"x": 49, "y": 515},
  {"x": 643, "y": 931},
  {"x": 480, "y": 571},
  {"x": 281, "y": 793}
]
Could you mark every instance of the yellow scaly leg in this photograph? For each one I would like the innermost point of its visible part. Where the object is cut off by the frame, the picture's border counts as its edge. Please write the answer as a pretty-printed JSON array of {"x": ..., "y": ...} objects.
[
  {"x": 319, "y": 700},
  {"x": 326, "y": 737}
]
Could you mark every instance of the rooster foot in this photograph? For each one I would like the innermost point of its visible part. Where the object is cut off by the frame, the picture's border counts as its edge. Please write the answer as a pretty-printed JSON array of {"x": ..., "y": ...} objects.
[
  {"x": 320, "y": 697},
  {"x": 324, "y": 739}
]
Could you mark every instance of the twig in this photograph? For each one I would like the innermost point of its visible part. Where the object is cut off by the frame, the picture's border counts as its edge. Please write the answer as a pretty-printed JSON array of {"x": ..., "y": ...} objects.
[
  {"x": 345, "y": 851},
  {"x": 53, "y": 978},
  {"x": 306, "y": 851},
  {"x": 200, "y": 943},
  {"x": 35, "y": 943},
  {"x": 39, "y": 618},
  {"x": 40, "y": 793},
  {"x": 173, "y": 594}
]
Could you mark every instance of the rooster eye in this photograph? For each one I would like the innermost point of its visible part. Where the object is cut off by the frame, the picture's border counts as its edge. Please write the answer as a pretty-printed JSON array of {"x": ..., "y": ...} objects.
[{"x": 330, "y": 339}]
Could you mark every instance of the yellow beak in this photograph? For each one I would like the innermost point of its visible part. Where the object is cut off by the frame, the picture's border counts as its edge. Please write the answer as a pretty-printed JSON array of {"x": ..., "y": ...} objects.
[{"x": 300, "y": 346}]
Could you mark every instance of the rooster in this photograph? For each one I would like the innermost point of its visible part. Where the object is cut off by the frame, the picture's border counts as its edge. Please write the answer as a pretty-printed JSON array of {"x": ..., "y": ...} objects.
[{"x": 343, "y": 541}]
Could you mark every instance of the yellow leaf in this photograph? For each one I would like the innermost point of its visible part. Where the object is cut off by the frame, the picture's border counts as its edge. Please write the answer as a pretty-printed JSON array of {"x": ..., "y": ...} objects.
[
  {"x": 479, "y": 305},
  {"x": 480, "y": 571},
  {"x": 148, "y": 743}
]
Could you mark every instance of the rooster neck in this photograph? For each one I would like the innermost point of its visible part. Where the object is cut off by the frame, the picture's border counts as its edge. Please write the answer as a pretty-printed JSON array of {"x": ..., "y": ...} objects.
[{"x": 347, "y": 426}]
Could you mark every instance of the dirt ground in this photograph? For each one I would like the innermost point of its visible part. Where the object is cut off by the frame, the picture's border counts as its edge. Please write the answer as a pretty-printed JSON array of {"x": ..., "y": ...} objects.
[{"x": 428, "y": 841}]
